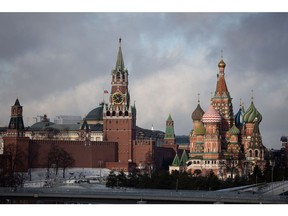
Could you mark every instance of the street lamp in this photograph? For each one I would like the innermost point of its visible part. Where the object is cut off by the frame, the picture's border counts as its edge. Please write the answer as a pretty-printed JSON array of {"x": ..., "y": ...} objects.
[
  {"x": 100, "y": 162},
  {"x": 272, "y": 164}
]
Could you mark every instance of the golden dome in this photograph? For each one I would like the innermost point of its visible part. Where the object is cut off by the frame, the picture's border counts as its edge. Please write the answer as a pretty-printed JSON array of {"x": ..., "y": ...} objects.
[{"x": 221, "y": 64}]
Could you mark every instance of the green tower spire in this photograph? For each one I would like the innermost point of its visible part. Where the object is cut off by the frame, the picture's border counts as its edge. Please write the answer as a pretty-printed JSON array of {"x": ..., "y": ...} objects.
[
  {"x": 120, "y": 62},
  {"x": 169, "y": 132},
  {"x": 183, "y": 159},
  {"x": 176, "y": 161}
]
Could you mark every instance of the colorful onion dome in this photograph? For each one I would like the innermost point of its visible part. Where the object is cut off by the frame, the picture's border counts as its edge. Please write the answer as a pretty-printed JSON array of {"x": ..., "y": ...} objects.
[
  {"x": 252, "y": 115},
  {"x": 211, "y": 115},
  {"x": 234, "y": 130},
  {"x": 200, "y": 130},
  {"x": 221, "y": 64},
  {"x": 197, "y": 113},
  {"x": 239, "y": 117}
]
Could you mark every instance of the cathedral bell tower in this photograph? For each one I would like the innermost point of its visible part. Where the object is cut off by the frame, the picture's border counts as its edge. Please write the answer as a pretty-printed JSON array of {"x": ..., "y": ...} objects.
[{"x": 119, "y": 118}]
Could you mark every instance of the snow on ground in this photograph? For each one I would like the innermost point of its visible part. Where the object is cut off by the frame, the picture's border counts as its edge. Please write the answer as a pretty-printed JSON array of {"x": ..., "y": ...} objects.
[{"x": 73, "y": 177}]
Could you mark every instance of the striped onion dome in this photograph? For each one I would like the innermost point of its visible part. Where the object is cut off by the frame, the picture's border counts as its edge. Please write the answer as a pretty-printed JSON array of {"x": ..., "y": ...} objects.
[
  {"x": 197, "y": 113},
  {"x": 200, "y": 130},
  {"x": 252, "y": 115},
  {"x": 211, "y": 115},
  {"x": 234, "y": 130}
]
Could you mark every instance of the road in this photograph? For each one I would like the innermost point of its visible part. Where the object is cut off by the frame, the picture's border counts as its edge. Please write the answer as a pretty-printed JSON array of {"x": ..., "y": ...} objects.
[{"x": 85, "y": 193}]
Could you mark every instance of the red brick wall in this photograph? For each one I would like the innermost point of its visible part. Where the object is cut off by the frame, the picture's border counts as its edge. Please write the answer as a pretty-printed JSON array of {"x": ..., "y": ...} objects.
[
  {"x": 20, "y": 145},
  {"x": 143, "y": 151},
  {"x": 85, "y": 156}
]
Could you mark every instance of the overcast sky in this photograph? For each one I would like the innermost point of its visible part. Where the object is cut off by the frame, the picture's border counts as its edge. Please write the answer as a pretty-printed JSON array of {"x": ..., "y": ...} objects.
[{"x": 60, "y": 63}]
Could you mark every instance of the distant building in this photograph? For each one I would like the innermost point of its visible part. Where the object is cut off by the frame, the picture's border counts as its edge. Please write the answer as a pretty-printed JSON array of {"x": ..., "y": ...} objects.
[
  {"x": 284, "y": 150},
  {"x": 67, "y": 119},
  {"x": 39, "y": 118}
]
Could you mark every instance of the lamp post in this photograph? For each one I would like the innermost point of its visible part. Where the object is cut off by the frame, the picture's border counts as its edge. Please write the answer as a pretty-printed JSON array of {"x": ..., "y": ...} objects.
[
  {"x": 100, "y": 163},
  {"x": 272, "y": 164},
  {"x": 283, "y": 184}
]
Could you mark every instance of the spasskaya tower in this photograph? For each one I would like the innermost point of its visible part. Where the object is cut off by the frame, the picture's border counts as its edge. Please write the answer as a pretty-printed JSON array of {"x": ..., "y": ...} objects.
[{"x": 119, "y": 118}]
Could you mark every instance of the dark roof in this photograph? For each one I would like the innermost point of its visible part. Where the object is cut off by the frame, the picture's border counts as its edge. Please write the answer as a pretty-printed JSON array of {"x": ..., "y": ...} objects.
[
  {"x": 67, "y": 127},
  {"x": 96, "y": 127},
  {"x": 41, "y": 125},
  {"x": 17, "y": 103},
  {"x": 96, "y": 114},
  {"x": 2, "y": 129}
]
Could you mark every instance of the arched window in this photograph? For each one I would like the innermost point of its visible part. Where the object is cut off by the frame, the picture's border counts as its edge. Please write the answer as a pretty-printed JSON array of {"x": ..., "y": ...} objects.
[
  {"x": 250, "y": 153},
  {"x": 126, "y": 113},
  {"x": 120, "y": 113},
  {"x": 256, "y": 153},
  {"x": 113, "y": 113},
  {"x": 108, "y": 113},
  {"x": 118, "y": 76},
  {"x": 123, "y": 77}
]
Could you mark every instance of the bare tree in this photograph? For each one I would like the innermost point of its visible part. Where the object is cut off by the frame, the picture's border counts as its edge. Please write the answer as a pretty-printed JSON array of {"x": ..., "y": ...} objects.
[
  {"x": 10, "y": 164},
  {"x": 32, "y": 157},
  {"x": 66, "y": 160},
  {"x": 53, "y": 158},
  {"x": 59, "y": 158}
]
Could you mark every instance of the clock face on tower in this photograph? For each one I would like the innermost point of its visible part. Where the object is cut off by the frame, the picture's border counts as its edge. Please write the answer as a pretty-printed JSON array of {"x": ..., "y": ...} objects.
[{"x": 117, "y": 98}]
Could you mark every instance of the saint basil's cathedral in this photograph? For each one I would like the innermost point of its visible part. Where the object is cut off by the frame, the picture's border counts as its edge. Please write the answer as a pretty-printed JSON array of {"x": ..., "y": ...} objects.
[
  {"x": 109, "y": 137},
  {"x": 220, "y": 141}
]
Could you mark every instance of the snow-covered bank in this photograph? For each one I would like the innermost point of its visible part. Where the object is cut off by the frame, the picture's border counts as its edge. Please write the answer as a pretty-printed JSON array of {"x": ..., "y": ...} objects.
[{"x": 73, "y": 177}]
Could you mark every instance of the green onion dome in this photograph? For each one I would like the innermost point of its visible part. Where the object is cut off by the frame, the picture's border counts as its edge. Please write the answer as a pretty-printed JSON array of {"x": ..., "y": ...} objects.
[
  {"x": 252, "y": 115},
  {"x": 197, "y": 113},
  {"x": 234, "y": 130},
  {"x": 200, "y": 130}
]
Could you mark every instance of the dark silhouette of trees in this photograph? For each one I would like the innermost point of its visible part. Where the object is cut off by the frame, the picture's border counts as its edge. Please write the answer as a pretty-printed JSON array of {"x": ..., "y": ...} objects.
[
  {"x": 111, "y": 180},
  {"x": 176, "y": 180},
  {"x": 66, "y": 160},
  {"x": 10, "y": 164},
  {"x": 32, "y": 157},
  {"x": 59, "y": 158}
]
